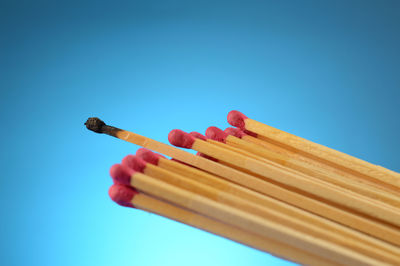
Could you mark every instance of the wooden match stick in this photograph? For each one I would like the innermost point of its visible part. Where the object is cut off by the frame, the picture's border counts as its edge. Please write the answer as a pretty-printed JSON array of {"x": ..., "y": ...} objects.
[
  {"x": 129, "y": 197},
  {"x": 276, "y": 148},
  {"x": 277, "y": 173},
  {"x": 267, "y": 212},
  {"x": 239, "y": 218},
  {"x": 378, "y": 230},
  {"x": 219, "y": 135},
  {"x": 320, "y": 152},
  {"x": 245, "y": 194},
  {"x": 217, "y": 143},
  {"x": 338, "y": 218}
]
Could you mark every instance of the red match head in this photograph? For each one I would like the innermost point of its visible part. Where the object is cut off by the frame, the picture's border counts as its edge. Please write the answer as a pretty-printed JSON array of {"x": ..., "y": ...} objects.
[
  {"x": 234, "y": 131},
  {"x": 197, "y": 135},
  {"x": 236, "y": 119},
  {"x": 216, "y": 134},
  {"x": 121, "y": 174},
  {"x": 134, "y": 163},
  {"x": 122, "y": 195},
  {"x": 148, "y": 156},
  {"x": 181, "y": 139}
]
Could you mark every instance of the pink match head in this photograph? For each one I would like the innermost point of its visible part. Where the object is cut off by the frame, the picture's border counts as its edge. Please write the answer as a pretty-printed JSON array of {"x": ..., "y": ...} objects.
[
  {"x": 234, "y": 131},
  {"x": 181, "y": 139},
  {"x": 236, "y": 119},
  {"x": 134, "y": 163},
  {"x": 216, "y": 134},
  {"x": 121, "y": 174},
  {"x": 197, "y": 135},
  {"x": 148, "y": 156},
  {"x": 206, "y": 156},
  {"x": 122, "y": 195}
]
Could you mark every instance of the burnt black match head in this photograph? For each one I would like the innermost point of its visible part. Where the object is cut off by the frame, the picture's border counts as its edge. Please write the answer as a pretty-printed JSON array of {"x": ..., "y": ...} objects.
[{"x": 95, "y": 124}]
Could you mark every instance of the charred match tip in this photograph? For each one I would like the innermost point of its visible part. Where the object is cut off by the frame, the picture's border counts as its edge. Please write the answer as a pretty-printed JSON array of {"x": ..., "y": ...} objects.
[
  {"x": 216, "y": 134},
  {"x": 236, "y": 119},
  {"x": 197, "y": 135},
  {"x": 95, "y": 124},
  {"x": 149, "y": 156},
  {"x": 134, "y": 163},
  {"x": 122, "y": 195},
  {"x": 234, "y": 131},
  {"x": 181, "y": 139},
  {"x": 121, "y": 174}
]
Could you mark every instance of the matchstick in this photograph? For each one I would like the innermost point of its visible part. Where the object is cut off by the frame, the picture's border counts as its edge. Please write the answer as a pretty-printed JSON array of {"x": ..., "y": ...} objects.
[
  {"x": 312, "y": 205},
  {"x": 326, "y": 168},
  {"x": 239, "y": 218},
  {"x": 267, "y": 212},
  {"x": 275, "y": 172},
  {"x": 314, "y": 150},
  {"x": 126, "y": 196},
  {"x": 219, "y": 135},
  {"x": 315, "y": 221}
]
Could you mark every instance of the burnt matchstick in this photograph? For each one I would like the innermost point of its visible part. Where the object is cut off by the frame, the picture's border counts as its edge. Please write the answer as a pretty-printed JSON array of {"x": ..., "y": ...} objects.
[
  {"x": 294, "y": 179},
  {"x": 97, "y": 125},
  {"x": 319, "y": 152}
]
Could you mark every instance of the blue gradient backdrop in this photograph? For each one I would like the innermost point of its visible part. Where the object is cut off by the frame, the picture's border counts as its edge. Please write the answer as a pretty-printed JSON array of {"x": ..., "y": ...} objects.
[{"x": 328, "y": 71}]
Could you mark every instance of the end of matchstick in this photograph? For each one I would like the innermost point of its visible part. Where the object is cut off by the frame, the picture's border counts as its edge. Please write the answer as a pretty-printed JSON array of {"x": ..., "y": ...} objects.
[
  {"x": 236, "y": 119},
  {"x": 234, "y": 131},
  {"x": 122, "y": 195},
  {"x": 95, "y": 124},
  {"x": 149, "y": 156},
  {"x": 217, "y": 134},
  {"x": 181, "y": 139},
  {"x": 197, "y": 135},
  {"x": 134, "y": 163},
  {"x": 121, "y": 174}
]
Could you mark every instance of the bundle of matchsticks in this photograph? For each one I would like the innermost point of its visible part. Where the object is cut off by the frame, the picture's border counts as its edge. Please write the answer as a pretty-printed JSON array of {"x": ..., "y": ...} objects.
[{"x": 267, "y": 189}]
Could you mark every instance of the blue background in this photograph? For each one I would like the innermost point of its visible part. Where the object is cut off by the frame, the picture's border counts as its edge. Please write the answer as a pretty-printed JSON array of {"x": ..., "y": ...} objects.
[{"x": 328, "y": 71}]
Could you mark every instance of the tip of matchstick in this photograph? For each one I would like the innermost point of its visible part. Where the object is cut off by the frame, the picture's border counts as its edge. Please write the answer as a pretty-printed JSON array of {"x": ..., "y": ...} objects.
[
  {"x": 95, "y": 124},
  {"x": 148, "y": 156},
  {"x": 134, "y": 163},
  {"x": 216, "y": 134},
  {"x": 121, "y": 174},
  {"x": 234, "y": 131},
  {"x": 236, "y": 119},
  {"x": 181, "y": 139},
  {"x": 122, "y": 195},
  {"x": 197, "y": 135}
]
